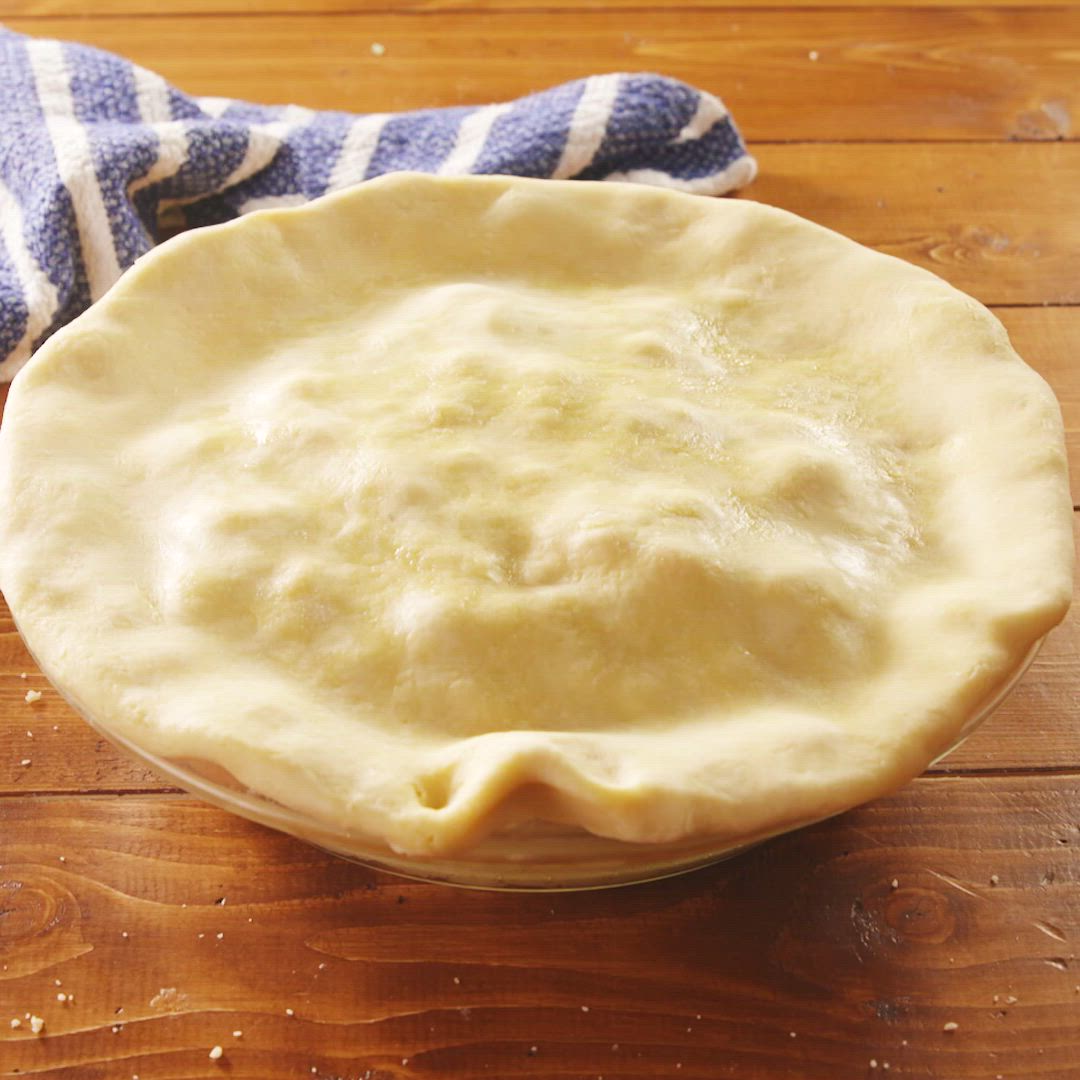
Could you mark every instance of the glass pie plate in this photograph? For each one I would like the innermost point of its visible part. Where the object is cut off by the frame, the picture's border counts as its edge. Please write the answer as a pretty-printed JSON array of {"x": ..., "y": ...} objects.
[{"x": 535, "y": 856}]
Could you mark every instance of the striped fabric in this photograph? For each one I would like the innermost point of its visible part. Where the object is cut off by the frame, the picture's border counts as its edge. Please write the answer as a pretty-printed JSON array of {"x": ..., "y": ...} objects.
[{"x": 93, "y": 150}]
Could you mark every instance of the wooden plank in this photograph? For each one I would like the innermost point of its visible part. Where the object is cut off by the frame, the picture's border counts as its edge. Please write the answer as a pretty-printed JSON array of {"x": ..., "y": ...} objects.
[
  {"x": 866, "y": 73},
  {"x": 174, "y": 926},
  {"x": 47, "y": 8},
  {"x": 968, "y": 212},
  {"x": 1035, "y": 728}
]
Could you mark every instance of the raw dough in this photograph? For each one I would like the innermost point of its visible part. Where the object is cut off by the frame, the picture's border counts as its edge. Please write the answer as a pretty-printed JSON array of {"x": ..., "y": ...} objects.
[{"x": 439, "y": 504}]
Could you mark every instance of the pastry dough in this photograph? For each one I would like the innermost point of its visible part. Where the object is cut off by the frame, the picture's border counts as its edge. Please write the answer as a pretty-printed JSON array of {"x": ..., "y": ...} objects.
[{"x": 439, "y": 505}]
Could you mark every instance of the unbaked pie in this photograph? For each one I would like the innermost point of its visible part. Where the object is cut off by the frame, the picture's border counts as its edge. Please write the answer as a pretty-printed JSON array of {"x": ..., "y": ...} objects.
[{"x": 439, "y": 507}]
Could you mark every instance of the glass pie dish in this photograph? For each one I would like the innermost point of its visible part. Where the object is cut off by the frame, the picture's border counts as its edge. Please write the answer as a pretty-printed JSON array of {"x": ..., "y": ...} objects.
[{"x": 537, "y": 856}]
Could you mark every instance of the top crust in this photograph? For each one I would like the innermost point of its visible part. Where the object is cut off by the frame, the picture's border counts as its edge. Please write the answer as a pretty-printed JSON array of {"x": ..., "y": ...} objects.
[{"x": 439, "y": 505}]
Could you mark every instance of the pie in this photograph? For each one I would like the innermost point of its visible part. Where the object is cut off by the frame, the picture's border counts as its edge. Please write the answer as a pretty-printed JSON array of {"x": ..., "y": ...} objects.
[{"x": 440, "y": 506}]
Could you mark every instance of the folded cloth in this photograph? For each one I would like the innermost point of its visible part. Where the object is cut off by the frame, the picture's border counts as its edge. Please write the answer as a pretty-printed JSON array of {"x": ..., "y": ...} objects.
[{"x": 93, "y": 150}]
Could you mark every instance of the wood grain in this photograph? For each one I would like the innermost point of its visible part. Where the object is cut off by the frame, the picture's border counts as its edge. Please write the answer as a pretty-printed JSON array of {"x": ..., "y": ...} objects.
[
  {"x": 969, "y": 213},
  {"x": 994, "y": 220},
  {"x": 47, "y": 8},
  {"x": 863, "y": 73},
  {"x": 1034, "y": 729},
  {"x": 704, "y": 976}
]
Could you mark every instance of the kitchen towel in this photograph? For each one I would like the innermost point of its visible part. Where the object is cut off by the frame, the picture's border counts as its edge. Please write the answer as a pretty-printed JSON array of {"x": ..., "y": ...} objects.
[{"x": 94, "y": 149}]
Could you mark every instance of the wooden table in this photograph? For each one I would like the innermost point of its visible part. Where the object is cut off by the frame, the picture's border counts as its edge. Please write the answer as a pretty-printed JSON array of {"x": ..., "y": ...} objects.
[{"x": 931, "y": 934}]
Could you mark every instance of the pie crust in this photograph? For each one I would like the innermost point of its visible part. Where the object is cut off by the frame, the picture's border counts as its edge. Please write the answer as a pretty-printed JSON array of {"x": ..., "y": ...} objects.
[{"x": 441, "y": 505}]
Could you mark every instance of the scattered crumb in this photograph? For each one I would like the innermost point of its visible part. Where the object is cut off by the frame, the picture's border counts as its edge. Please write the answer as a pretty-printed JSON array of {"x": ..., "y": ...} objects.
[
  {"x": 952, "y": 1025},
  {"x": 237, "y": 1034},
  {"x": 289, "y": 1012},
  {"x": 614, "y": 1046},
  {"x": 117, "y": 1028},
  {"x": 61, "y": 997},
  {"x": 37, "y": 1024},
  {"x": 16, "y": 1023},
  {"x": 994, "y": 879},
  {"x": 25, "y": 761},
  {"x": 378, "y": 48},
  {"x": 201, "y": 936},
  {"x": 895, "y": 883},
  {"x": 32, "y": 696},
  {"x": 792, "y": 1034},
  {"x": 584, "y": 1008},
  {"x": 215, "y": 1053},
  {"x": 903, "y": 1042},
  {"x": 62, "y": 858},
  {"x": 457, "y": 981},
  {"x": 533, "y": 1049},
  {"x": 220, "y": 936},
  {"x": 29, "y": 734},
  {"x": 1011, "y": 1000},
  {"x": 22, "y": 674},
  {"x": 57, "y": 982},
  {"x": 56, "y": 727},
  {"x": 873, "y": 1063},
  {"x": 697, "y": 1016},
  {"x": 813, "y": 54},
  {"x": 404, "y": 1061},
  {"x": 885, "y": 1065},
  {"x": 123, "y": 933}
]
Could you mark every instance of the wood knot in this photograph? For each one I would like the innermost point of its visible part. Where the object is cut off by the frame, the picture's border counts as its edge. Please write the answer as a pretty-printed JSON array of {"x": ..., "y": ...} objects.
[
  {"x": 39, "y": 924},
  {"x": 921, "y": 916}
]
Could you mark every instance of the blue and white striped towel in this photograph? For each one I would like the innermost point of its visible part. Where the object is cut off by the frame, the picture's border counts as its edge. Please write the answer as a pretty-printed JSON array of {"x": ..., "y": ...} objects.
[{"x": 94, "y": 148}]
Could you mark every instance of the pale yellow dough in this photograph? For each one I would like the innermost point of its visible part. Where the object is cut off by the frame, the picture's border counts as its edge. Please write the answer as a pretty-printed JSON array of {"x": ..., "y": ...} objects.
[{"x": 439, "y": 504}]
